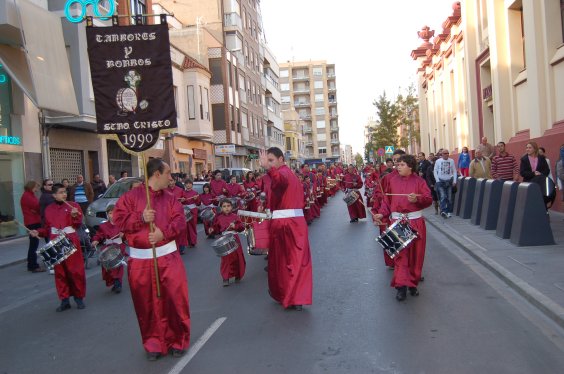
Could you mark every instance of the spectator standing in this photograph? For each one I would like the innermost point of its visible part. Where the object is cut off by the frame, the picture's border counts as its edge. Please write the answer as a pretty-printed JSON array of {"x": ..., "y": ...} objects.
[
  {"x": 464, "y": 162},
  {"x": 98, "y": 186},
  {"x": 542, "y": 152},
  {"x": 481, "y": 166},
  {"x": 504, "y": 165},
  {"x": 445, "y": 176},
  {"x": 560, "y": 172},
  {"x": 32, "y": 220},
  {"x": 111, "y": 180},
  {"x": 123, "y": 174},
  {"x": 487, "y": 149},
  {"x": 430, "y": 179},
  {"x": 535, "y": 169},
  {"x": 423, "y": 164},
  {"x": 46, "y": 197},
  {"x": 65, "y": 182},
  {"x": 81, "y": 193}
]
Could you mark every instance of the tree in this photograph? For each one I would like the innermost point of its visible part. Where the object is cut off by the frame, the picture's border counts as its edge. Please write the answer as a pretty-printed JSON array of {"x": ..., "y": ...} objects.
[
  {"x": 408, "y": 116},
  {"x": 386, "y": 133},
  {"x": 358, "y": 160}
]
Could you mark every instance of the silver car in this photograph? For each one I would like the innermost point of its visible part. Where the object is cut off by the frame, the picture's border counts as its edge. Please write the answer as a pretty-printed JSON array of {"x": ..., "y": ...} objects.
[{"x": 96, "y": 212}]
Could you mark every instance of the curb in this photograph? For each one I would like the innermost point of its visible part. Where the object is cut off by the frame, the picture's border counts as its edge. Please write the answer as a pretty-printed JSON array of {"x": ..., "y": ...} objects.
[
  {"x": 2, "y": 266},
  {"x": 548, "y": 307}
]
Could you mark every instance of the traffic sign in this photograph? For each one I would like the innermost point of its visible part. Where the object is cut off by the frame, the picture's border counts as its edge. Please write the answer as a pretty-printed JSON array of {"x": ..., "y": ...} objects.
[
  {"x": 390, "y": 149},
  {"x": 381, "y": 152}
]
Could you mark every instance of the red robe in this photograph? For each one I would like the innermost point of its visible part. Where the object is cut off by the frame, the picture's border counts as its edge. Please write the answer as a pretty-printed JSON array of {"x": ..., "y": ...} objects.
[
  {"x": 353, "y": 182},
  {"x": 164, "y": 322},
  {"x": 409, "y": 262},
  {"x": 264, "y": 185},
  {"x": 178, "y": 193},
  {"x": 235, "y": 190},
  {"x": 208, "y": 200},
  {"x": 192, "y": 199},
  {"x": 289, "y": 258},
  {"x": 219, "y": 187},
  {"x": 377, "y": 199},
  {"x": 107, "y": 231},
  {"x": 232, "y": 265},
  {"x": 70, "y": 279},
  {"x": 253, "y": 187},
  {"x": 308, "y": 214}
]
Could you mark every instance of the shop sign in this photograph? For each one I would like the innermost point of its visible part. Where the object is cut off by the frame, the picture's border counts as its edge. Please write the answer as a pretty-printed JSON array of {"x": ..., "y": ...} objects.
[
  {"x": 200, "y": 154},
  {"x": 224, "y": 149},
  {"x": 132, "y": 79},
  {"x": 12, "y": 140}
]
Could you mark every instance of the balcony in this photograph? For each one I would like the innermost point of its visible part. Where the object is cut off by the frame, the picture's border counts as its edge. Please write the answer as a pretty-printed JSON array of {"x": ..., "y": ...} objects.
[
  {"x": 334, "y": 141},
  {"x": 332, "y": 89},
  {"x": 332, "y": 102},
  {"x": 334, "y": 129},
  {"x": 233, "y": 21},
  {"x": 300, "y": 77},
  {"x": 330, "y": 75},
  {"x": 308, "y": 144},
  {"x": 336, "y": 154},
  {"x": 308, "y": 130},
  {"x": 302, "y": 104},
  {"x": 301, "y": 91},
  {"x": 305, "y": 117},
  {"x": 333, "y": 115}
]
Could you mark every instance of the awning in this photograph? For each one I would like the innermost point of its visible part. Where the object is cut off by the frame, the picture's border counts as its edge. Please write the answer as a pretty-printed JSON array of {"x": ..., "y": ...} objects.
[{"x": 36, "y": 58}]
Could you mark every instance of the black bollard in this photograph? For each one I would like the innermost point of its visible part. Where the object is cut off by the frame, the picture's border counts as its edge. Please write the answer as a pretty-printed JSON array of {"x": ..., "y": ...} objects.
[
  {"x": 492, "y": 201},
  {"x": 506, "y": 210},
  {"x": 467, "y": 198},
  {"x": 478, "y": 202},
  {"x": 531, "y": 224},
  {"x": 461, "y": 184}
]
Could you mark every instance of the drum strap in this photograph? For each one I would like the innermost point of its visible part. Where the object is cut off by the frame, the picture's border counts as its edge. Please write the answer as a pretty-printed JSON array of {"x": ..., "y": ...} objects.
[
  {"x": 287, "y": 213},
  {"x": 113, "y": 241},
  {"x": 66, "y": 230},
  {"x": 411, "y": 215},
  {"x": 147, "y": 254},
  {"x": 191, "y": 206}
]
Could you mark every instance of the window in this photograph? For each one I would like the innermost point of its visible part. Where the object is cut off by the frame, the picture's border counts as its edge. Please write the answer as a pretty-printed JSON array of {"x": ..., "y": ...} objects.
[
  {"x": 284, "y": 73},
  {"x": 317, "y": 72},
  {"x": 321, "y": 137},
  {"x": 201, "y": 103},
  {"x": 320, "y": 124},
  {"x": 320, "y": 111},
  {"x": 319, "y": 98},
  {"x": 523, "y": 38},
  {"x": 289, "y": 144},
  {"x": 138, "y": 7},
  {"x": 206, "y": 104},
  {"x": 318, "y": 84},
  {"x": 285, "y": 99},
  {"x": 175, "y": 100},
  {"x": 322, "y": 151},
  {"x": 244, "y": 119},
  {"x": 285, "y": 87},
  {"x": 191, "y": 103}
]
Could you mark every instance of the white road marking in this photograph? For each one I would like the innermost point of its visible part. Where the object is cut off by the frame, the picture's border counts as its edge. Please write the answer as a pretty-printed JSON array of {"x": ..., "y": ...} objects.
[{"x": 197, "y": 346}]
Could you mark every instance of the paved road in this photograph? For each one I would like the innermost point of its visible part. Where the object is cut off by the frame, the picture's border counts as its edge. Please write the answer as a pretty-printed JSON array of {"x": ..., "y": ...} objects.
[{"x": 465, "y": 320}]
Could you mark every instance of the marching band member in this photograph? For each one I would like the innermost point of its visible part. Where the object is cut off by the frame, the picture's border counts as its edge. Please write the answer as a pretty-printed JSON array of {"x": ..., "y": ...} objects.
[
  {"x": 218, "y": 185},
  {"x": 308, "y": 214},
  {"x": 207, "y": 199},
  {"x": 178, "y": 193},
  {"x": 233, "y": 265},
  {"x": 410, "y": 196},
  {"x": 352, "y": 181},
  {"x": 164, "y": 321},
  {"x": 192, "y": 200},
  {"x": 234, "y": 189},
  {"x": 109, "y": 233},
  {"x": 289, "y": 258},
  {"x": 314, "y": 206},
  {"x": 65, "y": 217},
  {"x": 251, "y": 186}
]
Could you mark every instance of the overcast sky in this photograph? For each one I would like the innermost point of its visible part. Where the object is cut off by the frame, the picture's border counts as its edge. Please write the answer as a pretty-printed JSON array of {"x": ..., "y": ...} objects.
[{"x": 369, "y": 41}]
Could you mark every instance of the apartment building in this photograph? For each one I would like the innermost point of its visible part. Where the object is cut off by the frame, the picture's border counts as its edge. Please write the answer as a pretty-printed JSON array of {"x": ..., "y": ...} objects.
[
  {"x": 310, "y": 87},
  {"x": 293, "y": 131},
  {"x": 495, "y": 70}
]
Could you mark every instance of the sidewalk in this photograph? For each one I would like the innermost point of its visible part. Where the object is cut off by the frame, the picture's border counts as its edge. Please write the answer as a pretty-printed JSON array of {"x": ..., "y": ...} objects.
[
  {"x": 14, "y": 251},
  {"x": 536, "y": 273}
]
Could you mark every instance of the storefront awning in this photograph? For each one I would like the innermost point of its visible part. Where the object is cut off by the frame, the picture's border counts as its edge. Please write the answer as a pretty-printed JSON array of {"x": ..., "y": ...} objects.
[{"x": 36, "y": 58}]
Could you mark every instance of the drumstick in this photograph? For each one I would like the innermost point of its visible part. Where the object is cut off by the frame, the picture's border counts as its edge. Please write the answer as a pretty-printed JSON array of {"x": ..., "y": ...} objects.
[
  {"x": 401, "y": 194},
  {"x": 19, "y": 223}
]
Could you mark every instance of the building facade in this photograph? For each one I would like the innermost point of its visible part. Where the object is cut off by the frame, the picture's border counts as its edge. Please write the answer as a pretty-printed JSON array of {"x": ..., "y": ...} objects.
[
  {"x": 310, "y": 87},
  {"x": 293, "y": 130},
  {"x": 496, "y": 71}
]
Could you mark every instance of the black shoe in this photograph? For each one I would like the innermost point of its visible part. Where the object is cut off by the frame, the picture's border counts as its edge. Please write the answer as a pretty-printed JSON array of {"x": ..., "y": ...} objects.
[
  {"x": 266, "y": 269},
  {"x": 79, "y": 303},
  {"x": 226, "y": 283},
  {"x": 444, "y": 215},
  {"x": 413, "y": 291},
  {"x": 297, "y": 308},
  {"x": 422, "y": 279},
  {"x": 65, "y": 304},
  {"x": 352, "y": 220},
  {"x": 153, "y": 356},
  {"x": 177, "y": 352},
  {"x": 402, "y": 293},
  {"x": 117, "y": 286}
]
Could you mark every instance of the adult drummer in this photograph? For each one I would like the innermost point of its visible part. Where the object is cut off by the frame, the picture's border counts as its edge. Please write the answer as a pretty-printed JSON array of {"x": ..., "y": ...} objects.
[
  {"x": 410, "y": 195},
  {"x": 351, "y": 182},
  {"x": 289, "y": 257},
  {"x": 164, "y": 321},
  {"x": 65, "y": 217}
]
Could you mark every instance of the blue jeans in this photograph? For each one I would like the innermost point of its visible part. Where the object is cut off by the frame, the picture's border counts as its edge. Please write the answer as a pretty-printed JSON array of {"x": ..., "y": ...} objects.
[{"x": 444, "y": 190}]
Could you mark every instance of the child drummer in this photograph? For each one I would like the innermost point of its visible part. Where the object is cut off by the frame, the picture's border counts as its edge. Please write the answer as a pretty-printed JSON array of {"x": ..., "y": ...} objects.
[
  {"x": 65, "y": 217},
  {"x": 233, "y": 265},
  {"x": 109, "y": 233}
]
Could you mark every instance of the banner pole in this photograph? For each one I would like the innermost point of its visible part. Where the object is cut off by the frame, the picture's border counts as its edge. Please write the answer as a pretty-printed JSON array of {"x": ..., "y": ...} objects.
[{"x": 151, "y": 225}]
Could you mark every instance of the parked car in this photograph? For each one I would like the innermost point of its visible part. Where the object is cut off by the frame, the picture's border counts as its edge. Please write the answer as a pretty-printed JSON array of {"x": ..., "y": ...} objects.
[
  {"x": 96, "y": 212},
  {"x": 199, "y": 187},
  {"x": 240, "y": 173}
]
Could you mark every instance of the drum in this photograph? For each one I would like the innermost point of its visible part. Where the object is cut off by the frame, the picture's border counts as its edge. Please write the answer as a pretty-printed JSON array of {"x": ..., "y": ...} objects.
[
  {"x": 187, "y": 213},
  {"x": 207, "y": 214},
  {"x": 258, "y": 238},
  {"x": 126, "y": 99},
  {"x": 56, "y": 251},
  {"x": 234, "y": 203},
  {"x": 250, "y": 197},
  {"x": 225, "y": 245},
  {"x": 369, "y": 192},
  {"x": 248, "y": 213},
  {"x": 397, "y": 237},
  {"x": 111, "y": 257},
  {"x": 351, "y": 197}
]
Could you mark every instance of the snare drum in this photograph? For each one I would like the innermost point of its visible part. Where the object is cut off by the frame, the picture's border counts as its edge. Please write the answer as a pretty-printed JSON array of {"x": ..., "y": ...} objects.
[
  {"x": 351, "y": 197},
  {"x": 225, "y": 245},
  {"x": 111, "y": 257},
  {"x": 56, "y": 251},
  {"x": 187, "y": 213},
  {"x": 258, "y": 238},
  {"x": 397, "y": 237},
  {"x": 207, "y": 215}
]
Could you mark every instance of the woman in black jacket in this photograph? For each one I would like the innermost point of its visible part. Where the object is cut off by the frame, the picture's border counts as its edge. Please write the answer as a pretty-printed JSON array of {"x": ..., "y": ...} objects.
[{"x": 535, "y": 169}]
